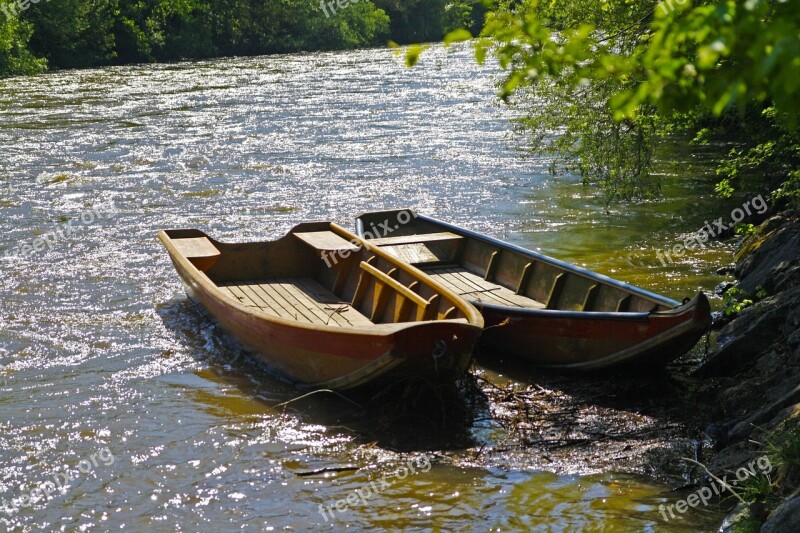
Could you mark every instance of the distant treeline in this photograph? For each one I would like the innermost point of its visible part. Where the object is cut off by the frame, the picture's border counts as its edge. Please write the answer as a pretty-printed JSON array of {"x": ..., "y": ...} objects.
[{"x": 84, "y": 33}]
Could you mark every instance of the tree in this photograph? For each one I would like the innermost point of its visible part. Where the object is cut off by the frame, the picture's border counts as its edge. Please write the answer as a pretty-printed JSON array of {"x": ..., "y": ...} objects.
[
  {"x": 650, "y": 67},
  {"x": 73, "y": 33},
  {"x": 15, "y": 58}
]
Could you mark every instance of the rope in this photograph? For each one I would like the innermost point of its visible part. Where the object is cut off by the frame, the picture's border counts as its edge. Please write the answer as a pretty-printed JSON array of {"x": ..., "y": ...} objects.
[{"x": 315, "y": 392}]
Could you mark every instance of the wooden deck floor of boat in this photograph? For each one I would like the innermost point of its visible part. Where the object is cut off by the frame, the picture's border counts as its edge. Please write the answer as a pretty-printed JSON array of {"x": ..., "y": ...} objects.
[
  {"x": 301, "y": 299},
  {"x": 476, "y": 289}
]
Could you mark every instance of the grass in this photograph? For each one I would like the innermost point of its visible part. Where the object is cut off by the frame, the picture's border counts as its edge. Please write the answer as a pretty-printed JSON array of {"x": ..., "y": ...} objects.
[
  {"x": 756, "y": 488},
  {"x": 766, "y": 490},
  {"x": 783, "y": 451}
]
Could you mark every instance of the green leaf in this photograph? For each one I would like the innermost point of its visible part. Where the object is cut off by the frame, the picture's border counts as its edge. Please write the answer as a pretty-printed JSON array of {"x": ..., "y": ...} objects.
[
  {"x": 413, "y": 53},
  {"x": 456, "y": 36},
  {"x": 480, "y": 53}
]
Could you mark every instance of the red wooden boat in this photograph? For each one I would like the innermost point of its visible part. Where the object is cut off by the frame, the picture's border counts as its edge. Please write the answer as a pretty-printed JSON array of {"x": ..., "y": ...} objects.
[
  {"x": 326, "y": 309},
  {"x": 540, "y": 309}
]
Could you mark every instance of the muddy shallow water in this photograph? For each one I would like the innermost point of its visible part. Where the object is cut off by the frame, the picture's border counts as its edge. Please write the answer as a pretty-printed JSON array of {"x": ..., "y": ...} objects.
[{"x": 101, "y": 355}]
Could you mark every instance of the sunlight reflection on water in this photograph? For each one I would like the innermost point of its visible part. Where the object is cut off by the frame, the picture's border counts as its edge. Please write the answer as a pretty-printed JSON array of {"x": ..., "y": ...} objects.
[{"x": 99, "y": 347}]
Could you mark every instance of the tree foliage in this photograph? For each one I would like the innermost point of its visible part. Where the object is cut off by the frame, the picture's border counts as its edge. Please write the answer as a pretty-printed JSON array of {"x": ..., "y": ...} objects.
[
  {"x": 717, "y": 55},
  {"x": 614, "y": 75},
  {"x": 416, "y": 21},
  {"x": 15, "y": 57},
  {"x": 81, "y": 33}
]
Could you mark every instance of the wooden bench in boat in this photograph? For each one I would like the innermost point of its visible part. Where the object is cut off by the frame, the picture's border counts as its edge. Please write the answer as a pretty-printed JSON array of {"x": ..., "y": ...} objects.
[
  {"x": 413, "y": 239},
  {"x": 424, "y": 248},
  {"x": 200, "y": 251},
  {"x": 326, "y": 241}
]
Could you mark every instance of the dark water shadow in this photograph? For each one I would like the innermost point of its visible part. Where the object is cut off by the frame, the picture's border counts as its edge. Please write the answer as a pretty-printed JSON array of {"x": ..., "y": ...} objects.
[
  {"x": 665, "y": 392},
  {"x": 617, "y": 419},
  {"x": 406, "y": 417}
]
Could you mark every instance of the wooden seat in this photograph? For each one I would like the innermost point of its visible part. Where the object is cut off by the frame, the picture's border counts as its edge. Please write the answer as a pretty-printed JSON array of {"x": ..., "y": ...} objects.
[
  {"x": 200, "y": 251},
  {"x": 327, "y": 241},
  {"x": 426, "y": 248},
  {"x": 411, "y": 239}
]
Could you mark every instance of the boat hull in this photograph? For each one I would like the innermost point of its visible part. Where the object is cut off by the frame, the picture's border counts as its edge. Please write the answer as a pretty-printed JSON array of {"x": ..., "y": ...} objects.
[{"x": 593, "y": 341}]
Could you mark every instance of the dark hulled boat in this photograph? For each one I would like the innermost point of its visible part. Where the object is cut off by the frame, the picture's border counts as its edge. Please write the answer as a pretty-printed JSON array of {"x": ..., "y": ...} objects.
[{"x": 540, "y": 309}]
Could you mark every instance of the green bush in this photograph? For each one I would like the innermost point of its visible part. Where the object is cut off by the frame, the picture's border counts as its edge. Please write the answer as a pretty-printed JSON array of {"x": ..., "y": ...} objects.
[{"x": 15, "y": 57}]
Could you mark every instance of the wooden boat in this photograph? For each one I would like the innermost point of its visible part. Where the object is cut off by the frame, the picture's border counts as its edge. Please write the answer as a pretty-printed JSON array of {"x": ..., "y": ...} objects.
[
  {"x": 540, "y": 309},
  {"x": 325, "y": 308}
]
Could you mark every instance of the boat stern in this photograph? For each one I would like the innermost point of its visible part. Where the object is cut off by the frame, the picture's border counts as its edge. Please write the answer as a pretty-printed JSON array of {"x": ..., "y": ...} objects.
[{"x": 437, "y": 349}]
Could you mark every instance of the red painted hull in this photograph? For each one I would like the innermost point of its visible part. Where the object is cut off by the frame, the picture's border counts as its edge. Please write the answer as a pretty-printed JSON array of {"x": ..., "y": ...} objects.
[
  {"x": 542, "y": 310},
  {"x": 589, "y": 341}
]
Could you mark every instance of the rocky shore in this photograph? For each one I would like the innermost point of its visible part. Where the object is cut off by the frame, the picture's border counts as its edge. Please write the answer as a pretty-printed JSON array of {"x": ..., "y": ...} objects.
[{"x": 755, "y": 369}]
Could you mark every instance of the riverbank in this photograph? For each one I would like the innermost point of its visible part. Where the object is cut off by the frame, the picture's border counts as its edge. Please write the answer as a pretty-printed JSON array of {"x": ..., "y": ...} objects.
[
  {"x": 37, "y": 37},
  {"x": 756, "y": 368}
]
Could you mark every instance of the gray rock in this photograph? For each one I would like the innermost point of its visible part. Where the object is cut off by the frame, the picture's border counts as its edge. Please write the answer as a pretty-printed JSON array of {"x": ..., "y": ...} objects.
[
  {"x": 791, "y": 412},
  {"x": 723, "y": 287},
  {"x": 719, "y": 319},
  {"x": 739, "y": 513},
  {"x": 776, "y": 222},
  {"x": 744, "y": 428},
  {"x": 794, "y": 340},
  {"x": 783, "y": 519},
  {"x": 758, "y": 327},
  {"x": 774, "y": 263}
]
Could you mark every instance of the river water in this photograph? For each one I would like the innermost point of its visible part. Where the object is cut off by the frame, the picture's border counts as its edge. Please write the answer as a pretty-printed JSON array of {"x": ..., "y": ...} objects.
[{"x": 108, "y": 375}]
